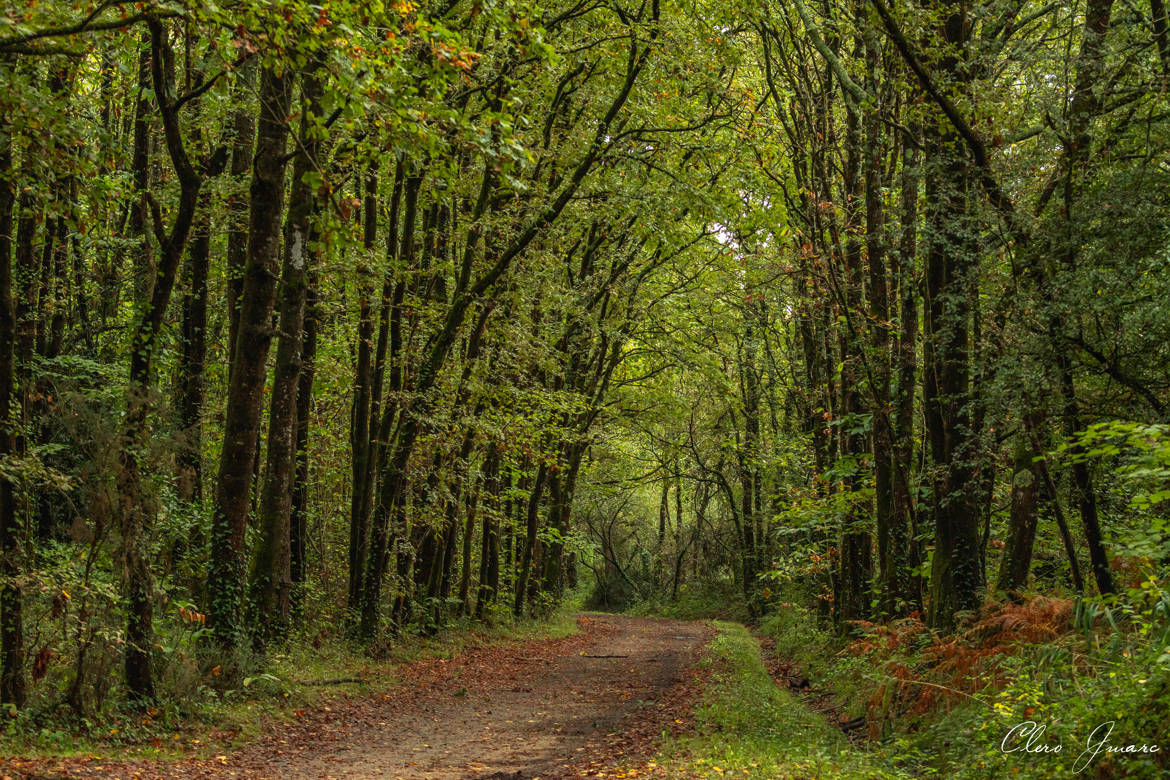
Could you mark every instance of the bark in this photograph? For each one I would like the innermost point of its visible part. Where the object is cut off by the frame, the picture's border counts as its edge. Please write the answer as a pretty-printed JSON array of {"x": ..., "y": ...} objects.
[
  {"x": 892, "y": 570},
  {"x": 955, "y": 571},
  {"x": 140, "y": 172},
  {"x": 466, "y": 562},
  {"x": 193, "y": 358},
  {"x": 298, "y": 515},
  {"x": 983, "y": 491},
  {"x": 1025, "y": 499},
  {"x": 663, "y": 511},
  {"x": 560, "y": 519},
  {"x": 361, "y": 443},
  {"x": 243, "y": 140},
  {"x": 12, "y": 679},
  {"x": 1158, "y": 20},
  {"x": 1083, "y": 489},
  {"x": 900, "y": 587},
  {"x": 24, "y": 279},
  {"x": 137, "y": 509},
  {"x": 272, "y": 576},
  {"x": 955, "y": 575},
  {"x": 450, "y": 546},
  {"x": 53, "y": 290},
  {"x": 528, "y": 552},
  {"x": 489, "y": 555},
  {"x": 856, "y": 562},
  {"x": 246, "y": 382}
]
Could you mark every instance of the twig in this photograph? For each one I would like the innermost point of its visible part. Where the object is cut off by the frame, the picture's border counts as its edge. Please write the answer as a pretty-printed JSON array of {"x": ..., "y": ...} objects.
[{"x": 333, "y": 681}]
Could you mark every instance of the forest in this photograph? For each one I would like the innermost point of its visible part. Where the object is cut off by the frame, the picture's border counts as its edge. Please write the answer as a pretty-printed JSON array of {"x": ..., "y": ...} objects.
[{"x": 355, "y": 324}]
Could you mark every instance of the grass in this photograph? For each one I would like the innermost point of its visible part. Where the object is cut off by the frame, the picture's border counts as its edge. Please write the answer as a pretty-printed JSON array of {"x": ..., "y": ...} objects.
[
  {"x": 746, "y": 726},
  {"x": 212, "y": 722}
]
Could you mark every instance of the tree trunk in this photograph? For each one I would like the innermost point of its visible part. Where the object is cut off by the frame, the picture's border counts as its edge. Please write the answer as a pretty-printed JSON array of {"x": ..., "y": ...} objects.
[
  {"x": 137, "y": 509},
  {"x": 249, "y": 368},
  {"x": 272, "y": 575},
  {"x": 489, "y": 554},
  {"x": 560, "y": 518},
  {"x": 140, "y": 173},
  {"x": 891, "y": 561},
  {"x": 362, "y": 444},
  {"x": 856, "y": 562},
  {"x": 528, "y": 553},
  {"x": 243, "y": 143},
  {"x": 192, "y": 358},
  {"x": 298, "y": 515},
  {"x": 12, "y": 680},
  {"x": 663, "y": 512},
  {"x": 955, "y": 571},
  {"x": 1083, "y": 490},
  {"x": 1026, "y": 491},
  {"x": 1041, "y": 460},
  {"x": 900, "y": 587},
  {"x": 466, "y": 561},
  {"x": 955, "y": 575}
]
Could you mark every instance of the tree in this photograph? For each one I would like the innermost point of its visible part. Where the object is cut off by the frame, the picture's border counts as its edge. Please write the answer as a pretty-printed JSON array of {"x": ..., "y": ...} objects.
[{"x": 250, "y": 355}]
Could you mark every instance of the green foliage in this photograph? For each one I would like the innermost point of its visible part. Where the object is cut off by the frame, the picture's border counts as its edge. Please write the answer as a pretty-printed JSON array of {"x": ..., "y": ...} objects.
[
  {"x": 1108, "y": 665},
  {"x": 1140, "y": 454},
  {"x": 662, "y": 255}
]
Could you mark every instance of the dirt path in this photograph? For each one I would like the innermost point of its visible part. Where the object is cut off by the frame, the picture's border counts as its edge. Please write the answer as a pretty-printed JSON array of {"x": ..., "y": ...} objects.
[{"x": 562, "y": 708}]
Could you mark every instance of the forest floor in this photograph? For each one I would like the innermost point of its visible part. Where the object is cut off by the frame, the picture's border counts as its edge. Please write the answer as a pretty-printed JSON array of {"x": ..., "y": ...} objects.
[{"x": 593, "y": 704}]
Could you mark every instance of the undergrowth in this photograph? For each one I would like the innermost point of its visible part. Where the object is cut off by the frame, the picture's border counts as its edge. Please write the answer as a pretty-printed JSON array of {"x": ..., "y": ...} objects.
[{"x": 1073, "y": 679}]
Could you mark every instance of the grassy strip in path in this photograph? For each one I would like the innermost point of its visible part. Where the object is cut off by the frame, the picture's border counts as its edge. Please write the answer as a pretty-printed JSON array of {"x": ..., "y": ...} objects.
[{"x": 746, "y": 726}]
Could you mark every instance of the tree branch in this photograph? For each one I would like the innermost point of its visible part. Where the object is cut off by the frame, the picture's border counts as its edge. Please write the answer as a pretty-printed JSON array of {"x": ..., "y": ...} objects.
[
  {"x": 13, "y": 43},
  {"x": 814, "y": 33},
  {"x": 999, "y": 199}
]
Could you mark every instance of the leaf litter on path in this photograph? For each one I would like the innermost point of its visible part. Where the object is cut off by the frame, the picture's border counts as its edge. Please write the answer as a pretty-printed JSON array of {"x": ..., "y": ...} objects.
[{"x": 590, "y": 705}]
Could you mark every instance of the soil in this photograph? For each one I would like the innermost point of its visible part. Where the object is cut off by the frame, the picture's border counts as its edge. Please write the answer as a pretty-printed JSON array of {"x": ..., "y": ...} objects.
[{"x": 574, "y": 707}]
